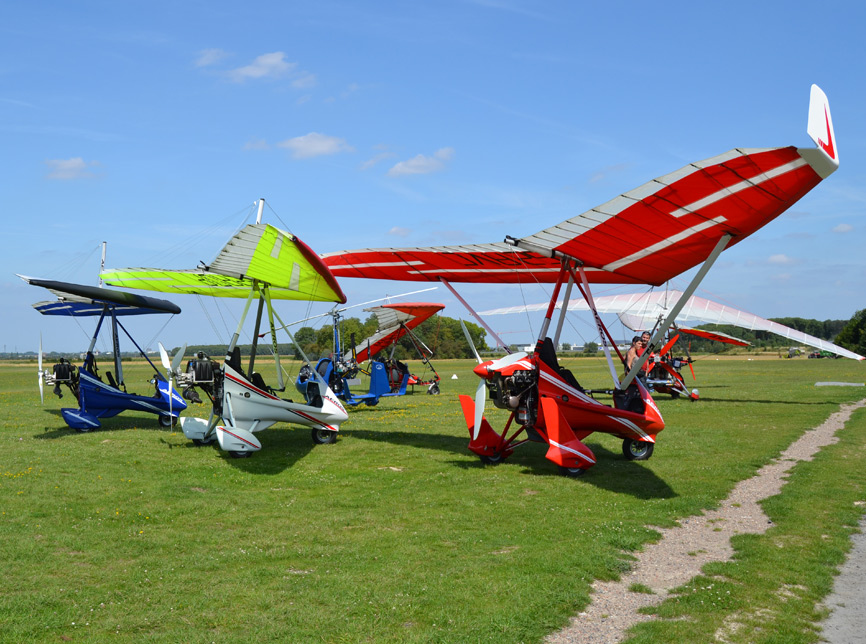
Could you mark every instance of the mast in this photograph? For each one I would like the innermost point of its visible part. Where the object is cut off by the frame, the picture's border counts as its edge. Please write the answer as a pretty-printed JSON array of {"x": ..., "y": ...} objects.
[{"x": 102, "y": 264}]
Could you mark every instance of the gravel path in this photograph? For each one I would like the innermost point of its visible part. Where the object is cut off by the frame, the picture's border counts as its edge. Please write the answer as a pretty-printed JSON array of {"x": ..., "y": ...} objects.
[
  {"x": 847, "y": 622},
  {"x": 683, "y": 550}
]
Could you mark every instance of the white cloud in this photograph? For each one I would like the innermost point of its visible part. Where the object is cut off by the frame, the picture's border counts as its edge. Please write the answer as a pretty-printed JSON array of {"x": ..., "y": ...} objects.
[
  {"x": 384, "y": 153},
  {"x": 208, "y": 57},
  {"x": 305, "y": 81},
  {"x": 843, "y": 228},
  {"x": 780, "y": 259},
  {"x": 69, "y": 169},
  {"x": 422, "y": 164},
  {"x": 399, "y": 231},
  {"x": 272, "y": 65},
  {"x": 315, "y": 145},
  {"x": 256, "y": 144}
]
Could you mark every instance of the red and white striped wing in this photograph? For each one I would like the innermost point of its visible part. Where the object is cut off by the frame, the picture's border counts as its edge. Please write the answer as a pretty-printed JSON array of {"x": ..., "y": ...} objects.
[
  {"x": 645, "y": 236},
  {"x": 394, "y": 320}
]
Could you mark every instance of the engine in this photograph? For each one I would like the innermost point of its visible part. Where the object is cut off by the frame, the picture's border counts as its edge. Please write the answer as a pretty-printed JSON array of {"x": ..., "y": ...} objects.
[
  {"x": 204, "y": 373},
  {"x": 517, "y": 392},
  {"x": 63, "y": 373}
]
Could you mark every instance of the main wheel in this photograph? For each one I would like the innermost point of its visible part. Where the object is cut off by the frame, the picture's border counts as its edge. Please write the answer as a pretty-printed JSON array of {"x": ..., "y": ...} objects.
[
  {"x": 324, "y": 436},
  {"x": 637, "y": 450},
  {"x": 166, "y": 420},
  {"x": 492, "y": 459},
  {"x": 433, "y": 390},
  {"x": 572, "y": 472}
]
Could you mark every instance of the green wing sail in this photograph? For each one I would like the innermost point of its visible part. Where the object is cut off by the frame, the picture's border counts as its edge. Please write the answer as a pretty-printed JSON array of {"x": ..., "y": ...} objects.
[{"x": 260, "y": 252}]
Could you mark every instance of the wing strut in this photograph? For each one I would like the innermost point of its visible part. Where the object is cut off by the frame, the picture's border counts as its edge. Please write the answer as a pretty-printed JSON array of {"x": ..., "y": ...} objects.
[
  {"x": 672, "y": 314},
  {"x": 602, "y": 330},
  {"x": 565, "y": 300},
  {"x": 475, "y": 315}
]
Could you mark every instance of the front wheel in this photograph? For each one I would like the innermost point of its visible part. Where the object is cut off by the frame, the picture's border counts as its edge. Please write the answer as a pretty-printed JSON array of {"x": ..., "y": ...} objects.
[
  {"x": 572, "y": 472},
  {"x": 492, "y": 459},
  {"x": 240, "y": 454},
  {"x": 324, "y": 436},
  {"x": 637, "y": 450},
  {"x": 433, "y": 390},
  {"x": 166, "y": 421}
]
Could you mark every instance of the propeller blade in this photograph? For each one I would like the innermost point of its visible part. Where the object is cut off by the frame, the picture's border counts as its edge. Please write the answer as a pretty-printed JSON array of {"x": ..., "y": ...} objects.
[
  {"x": 178, "y": 358},
  {"x": 480, "y": 400},
  {"x": 689, "y": 356},
  {"x": 670, "y": 343},
  {"x": 41, "y": 376},
  {"x": 163, "y": 355},
  {"x": 469, "y": 340}
]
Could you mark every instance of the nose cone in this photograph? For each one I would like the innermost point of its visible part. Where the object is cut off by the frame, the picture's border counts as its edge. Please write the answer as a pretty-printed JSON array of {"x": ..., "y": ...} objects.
[
  {"x": 333, "y": 410},
  {"x": 481, "y": 370}
]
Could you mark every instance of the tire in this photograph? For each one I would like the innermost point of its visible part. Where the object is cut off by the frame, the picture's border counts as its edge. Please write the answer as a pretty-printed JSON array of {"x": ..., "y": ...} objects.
[
  {"x": 637, "y": 450},
  {"x": 324, "y": 436},
  {"x": 572, "y": 472},
  {"x": 166, "y": 421},
  {"x": 493, "y": 459},
  {"x": 433, "y": 390},
  {"x": 241, "y": 454}
]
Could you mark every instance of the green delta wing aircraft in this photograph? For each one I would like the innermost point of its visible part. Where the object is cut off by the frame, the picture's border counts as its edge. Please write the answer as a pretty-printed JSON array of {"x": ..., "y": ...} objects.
[{"x": 259, "y": 262}]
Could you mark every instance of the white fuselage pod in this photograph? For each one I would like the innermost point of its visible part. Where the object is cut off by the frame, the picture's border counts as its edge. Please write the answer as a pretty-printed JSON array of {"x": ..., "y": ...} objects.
[{"x": 247, "y": 407}]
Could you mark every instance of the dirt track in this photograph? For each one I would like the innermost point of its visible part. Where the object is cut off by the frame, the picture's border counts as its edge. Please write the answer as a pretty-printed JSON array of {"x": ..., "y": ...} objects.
[{"x": 683, "y": 550}]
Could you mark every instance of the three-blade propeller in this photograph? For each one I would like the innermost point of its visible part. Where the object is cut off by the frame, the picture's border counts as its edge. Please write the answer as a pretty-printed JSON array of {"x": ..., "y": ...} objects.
[{"x": 171, "y": 367}]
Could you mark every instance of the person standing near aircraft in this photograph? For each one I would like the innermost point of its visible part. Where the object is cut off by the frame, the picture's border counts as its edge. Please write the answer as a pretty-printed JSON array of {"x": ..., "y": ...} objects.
[
  {"x": 633, "y": 353},
  {"x": 642, "y": 346}
]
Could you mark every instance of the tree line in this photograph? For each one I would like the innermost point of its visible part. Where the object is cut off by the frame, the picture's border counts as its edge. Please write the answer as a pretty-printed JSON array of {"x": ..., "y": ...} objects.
[{"x": 441, "y": 334}]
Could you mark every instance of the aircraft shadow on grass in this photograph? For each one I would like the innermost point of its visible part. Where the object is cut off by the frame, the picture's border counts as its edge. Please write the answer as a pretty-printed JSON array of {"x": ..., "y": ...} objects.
[
  {"x": 621, "y": 475},
  {"x": 284, "y": 450},
  {"x": 760, "y": 401},
  {"x": 107, "y": 425}
]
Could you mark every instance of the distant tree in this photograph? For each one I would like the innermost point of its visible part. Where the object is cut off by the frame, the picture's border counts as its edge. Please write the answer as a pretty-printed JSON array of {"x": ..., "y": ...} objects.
[
  {"x": 590, "y": 347},
  {"x": 853, "y": 335}
]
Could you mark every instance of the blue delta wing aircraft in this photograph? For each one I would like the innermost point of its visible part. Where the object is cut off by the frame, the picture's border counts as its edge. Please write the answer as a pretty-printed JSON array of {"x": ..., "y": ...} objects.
[{"x": 98, "y": 397}]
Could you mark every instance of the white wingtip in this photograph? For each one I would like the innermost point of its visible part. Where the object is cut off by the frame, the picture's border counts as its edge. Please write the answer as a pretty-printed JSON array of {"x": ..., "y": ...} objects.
[{"x": 825, "y": 159}]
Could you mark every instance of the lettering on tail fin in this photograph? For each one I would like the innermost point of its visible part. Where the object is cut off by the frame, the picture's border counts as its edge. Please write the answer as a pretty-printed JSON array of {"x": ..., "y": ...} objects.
[{"x": 828, "y": 147}]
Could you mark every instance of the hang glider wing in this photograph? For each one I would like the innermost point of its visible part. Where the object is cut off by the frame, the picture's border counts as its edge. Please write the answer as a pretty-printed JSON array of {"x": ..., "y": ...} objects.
[
  {"x": 717, "y": 336},
  {"x": 258, "y": 252},
  {"x": 641, "y": 311},
  {"x": 395, "y": 320},
  {"x": 78, "y": 300},
  {"x": 646, "y": 236}
]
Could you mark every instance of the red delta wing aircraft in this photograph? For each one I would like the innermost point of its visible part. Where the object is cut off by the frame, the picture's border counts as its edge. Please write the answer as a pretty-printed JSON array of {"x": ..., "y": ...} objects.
[{"x": 684, "y": 218}]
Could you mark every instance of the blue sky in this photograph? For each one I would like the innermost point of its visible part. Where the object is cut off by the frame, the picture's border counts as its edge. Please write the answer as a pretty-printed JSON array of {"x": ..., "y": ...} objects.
[{"x": 154, "y": 125}]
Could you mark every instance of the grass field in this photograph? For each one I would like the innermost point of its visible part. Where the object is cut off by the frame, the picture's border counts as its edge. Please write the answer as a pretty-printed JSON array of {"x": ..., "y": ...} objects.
[{"x": 397, "y": 533}]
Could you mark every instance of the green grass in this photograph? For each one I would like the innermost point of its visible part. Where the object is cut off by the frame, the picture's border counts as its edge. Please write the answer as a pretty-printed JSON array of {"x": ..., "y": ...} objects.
[{"x": 398, "y": 533}]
